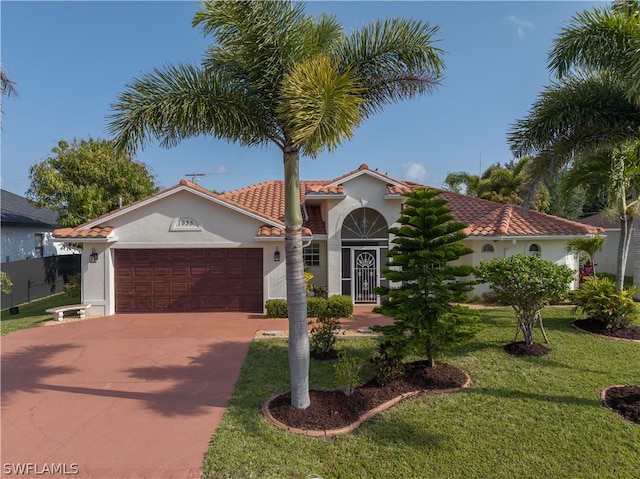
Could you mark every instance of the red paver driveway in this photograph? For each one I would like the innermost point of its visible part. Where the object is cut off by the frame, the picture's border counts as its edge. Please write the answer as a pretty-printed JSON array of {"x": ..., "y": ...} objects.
[{"x": 126, "y": 396}]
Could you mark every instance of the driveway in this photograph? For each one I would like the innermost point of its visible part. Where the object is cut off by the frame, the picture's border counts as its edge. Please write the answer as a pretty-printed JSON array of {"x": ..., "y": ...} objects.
[{"x": 126, "y": 396}]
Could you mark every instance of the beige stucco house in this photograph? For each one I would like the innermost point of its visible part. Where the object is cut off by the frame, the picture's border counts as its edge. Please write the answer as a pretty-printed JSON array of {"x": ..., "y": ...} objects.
[{"x": 188, "y": 249}]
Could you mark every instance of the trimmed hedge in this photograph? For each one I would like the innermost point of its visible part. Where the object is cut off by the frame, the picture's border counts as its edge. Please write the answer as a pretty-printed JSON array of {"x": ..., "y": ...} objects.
[{"x": 337, "y": 306}]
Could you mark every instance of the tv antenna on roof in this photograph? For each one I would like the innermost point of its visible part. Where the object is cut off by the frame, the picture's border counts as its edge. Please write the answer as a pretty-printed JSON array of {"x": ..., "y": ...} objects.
[{"x": 195, "y": 177}]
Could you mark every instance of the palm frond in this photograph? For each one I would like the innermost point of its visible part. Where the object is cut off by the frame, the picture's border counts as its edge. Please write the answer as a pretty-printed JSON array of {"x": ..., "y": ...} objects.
[
  {"x": 395, "y": 59},
  {"x": 597, "y": 39},
  {"x": 320, "y": 105},
  {"x": 581, "y": 112},
  {"x": 183, "y": 101}
]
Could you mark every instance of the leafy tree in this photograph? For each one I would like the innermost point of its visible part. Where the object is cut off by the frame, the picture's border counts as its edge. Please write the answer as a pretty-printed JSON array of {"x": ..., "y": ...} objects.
[
  {"x": 502, "y": 184},
  {"x": 595, "y": 104},
  {"x": 6, "y": 285},
  {"x": 277, "y": 76},
  {"x": 427, "y": 316},
  {"x": 527, "y": 283},
  {"x": 84, "y": 179}
]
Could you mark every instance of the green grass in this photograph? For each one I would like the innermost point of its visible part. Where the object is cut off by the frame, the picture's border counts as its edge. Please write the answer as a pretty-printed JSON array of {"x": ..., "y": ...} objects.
[
  {"x": 32, "y": 314},
  {"x": 521, "y": 417}
]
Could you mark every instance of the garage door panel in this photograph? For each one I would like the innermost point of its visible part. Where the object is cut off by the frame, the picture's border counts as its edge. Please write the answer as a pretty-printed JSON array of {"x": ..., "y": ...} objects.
[{"x": 189, "y": 280}]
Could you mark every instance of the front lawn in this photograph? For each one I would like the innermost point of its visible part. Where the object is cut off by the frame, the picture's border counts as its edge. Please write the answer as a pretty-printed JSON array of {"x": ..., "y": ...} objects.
[
  {"x": 33, "y": 313},
  {"x": 521, "y": 417}
]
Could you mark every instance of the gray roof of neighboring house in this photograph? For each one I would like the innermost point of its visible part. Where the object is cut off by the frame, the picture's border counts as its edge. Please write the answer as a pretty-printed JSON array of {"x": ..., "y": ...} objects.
[
  {"x": 17, "y": 211},
  {"x": 602, "y": 221}
]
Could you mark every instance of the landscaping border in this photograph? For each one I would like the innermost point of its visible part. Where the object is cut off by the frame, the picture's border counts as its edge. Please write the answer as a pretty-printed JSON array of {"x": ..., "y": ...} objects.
[
  {"x": 603, "y": 398},
  {"x": 573, "y": 325},
  {"x": 367, "y": 415}
]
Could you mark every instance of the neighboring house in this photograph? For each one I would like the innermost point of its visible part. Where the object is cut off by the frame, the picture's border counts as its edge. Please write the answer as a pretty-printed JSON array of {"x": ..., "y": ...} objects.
[
  {"x": 188, "y": 249},
  {"x": 607, "y": 259},
  {"x": 27, "y": 251}
]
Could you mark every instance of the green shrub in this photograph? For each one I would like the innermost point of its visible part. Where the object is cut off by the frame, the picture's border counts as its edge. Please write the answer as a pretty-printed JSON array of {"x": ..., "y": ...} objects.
[
  {"x": 598, "y": 300},
  {"x": 323, "y": 333},
  {"x": 72, "y": 288},
  {"x": 315, "y": 307},
  {"x": 340, "y": 306},
  {"x": 346, "y": 374},
  {"x": 387, "y": 362},
  {"x": 277, "y": 308}
]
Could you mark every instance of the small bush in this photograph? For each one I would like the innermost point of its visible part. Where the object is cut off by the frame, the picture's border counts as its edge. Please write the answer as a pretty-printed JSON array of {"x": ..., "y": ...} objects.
[
  {"x": 323, "y": 333},
  {"x": 347, "y": 374},
  {"x": 315, "y": 307},
  {"x": 388, "y": 363},
  {"x": 72, "y": 288},
  {"x": 277, "y": 308},
  {"x": 598, "y": 300},
  {"x": 340, "y": 306}
]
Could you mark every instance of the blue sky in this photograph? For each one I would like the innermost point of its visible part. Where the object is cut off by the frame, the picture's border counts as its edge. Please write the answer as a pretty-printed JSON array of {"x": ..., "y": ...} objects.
[{"x": 71, "y": 59}]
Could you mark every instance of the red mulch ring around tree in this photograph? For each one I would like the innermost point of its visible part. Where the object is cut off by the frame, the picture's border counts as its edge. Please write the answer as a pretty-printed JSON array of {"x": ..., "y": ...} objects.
[{"x": 331, "y": 412}]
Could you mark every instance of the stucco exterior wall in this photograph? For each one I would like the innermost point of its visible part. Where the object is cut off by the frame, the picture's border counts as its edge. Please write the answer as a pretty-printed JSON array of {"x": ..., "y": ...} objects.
[
  {"x": 361, "y": 192},
  {"x": 153, "y": 226}
]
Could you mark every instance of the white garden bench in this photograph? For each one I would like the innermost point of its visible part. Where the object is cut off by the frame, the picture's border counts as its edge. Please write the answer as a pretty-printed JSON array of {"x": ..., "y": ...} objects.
[{"x": 60, "y": 310}]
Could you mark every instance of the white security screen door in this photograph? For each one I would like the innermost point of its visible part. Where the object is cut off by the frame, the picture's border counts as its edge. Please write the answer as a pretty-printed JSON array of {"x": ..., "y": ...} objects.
[{"x": 365, "y": 274}]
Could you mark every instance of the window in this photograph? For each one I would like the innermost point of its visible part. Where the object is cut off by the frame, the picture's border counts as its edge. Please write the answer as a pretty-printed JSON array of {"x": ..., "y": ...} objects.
[
  {"x": 488, "y": 248},
  {"x": 311, "y": 254},
  {"x": 534, "y": 249},
  {"x": 39, "y": 245}
]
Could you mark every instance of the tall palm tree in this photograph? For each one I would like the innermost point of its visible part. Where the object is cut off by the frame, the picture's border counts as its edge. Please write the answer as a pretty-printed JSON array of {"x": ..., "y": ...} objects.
[
  {"x": 594, "y": 105},
  {"x": 7, "y": 88},
  {"x": 275, "y": 75}
]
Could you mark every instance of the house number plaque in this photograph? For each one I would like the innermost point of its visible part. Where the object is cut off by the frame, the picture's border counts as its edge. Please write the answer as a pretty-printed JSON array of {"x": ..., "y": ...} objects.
[{"x": 185, "y": 224}]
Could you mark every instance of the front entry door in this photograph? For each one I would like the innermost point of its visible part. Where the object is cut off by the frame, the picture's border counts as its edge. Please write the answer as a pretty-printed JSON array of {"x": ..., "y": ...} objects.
[{"x": 365, "y": 276}]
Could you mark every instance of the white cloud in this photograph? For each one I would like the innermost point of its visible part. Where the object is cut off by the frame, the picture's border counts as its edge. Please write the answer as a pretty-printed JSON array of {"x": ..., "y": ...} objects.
[
  {"x": 414, "y": 172},
  {"x": 522, "y": 25},
  {"x": 220, "y": 170}
]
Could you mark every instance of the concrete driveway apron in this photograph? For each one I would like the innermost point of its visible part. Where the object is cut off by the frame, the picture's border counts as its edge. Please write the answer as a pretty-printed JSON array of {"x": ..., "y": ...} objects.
[
  {"x": 121, "y": 396},
  {"x": 126, "y": 396}
]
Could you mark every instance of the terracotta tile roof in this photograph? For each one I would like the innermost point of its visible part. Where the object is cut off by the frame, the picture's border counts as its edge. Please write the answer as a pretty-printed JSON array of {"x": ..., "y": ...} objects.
[
  {"x": 486, "y": 218},
  {"x": 266, "y": 200},
  {"x": 98, "y": 232},
  {"x": 267, "y": 230}
]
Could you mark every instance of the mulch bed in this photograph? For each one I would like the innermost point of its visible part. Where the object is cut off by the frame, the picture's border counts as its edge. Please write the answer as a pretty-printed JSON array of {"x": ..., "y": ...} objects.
[
  {"x": 332, "y": 410},
  {"x": 520, "y": 348},
  {"x": 595, "y": 327},
  {"x": 624, "y": 401}
]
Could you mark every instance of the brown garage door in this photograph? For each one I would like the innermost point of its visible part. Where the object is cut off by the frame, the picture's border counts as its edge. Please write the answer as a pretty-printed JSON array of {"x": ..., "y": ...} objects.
[{"x": 188, "y": 280}]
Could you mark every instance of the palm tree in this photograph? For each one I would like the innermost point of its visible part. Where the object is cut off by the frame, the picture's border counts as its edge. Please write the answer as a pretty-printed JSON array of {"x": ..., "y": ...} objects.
[
  {"x": 7, "y": 88},
  {"x": 589, "y": 246},
  {"x": 502, "y": 184},
  {"x": 594, "y": 107},
  {"x": 618, "y": 170},
  {"x": 275, "y": 75}
]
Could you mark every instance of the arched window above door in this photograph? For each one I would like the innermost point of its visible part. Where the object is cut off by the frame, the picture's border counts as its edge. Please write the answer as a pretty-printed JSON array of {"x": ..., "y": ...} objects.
[{"x": 364, "y": 223}]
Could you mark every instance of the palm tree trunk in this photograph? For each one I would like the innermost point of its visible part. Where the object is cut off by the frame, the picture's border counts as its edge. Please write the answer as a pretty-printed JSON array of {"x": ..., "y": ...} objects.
[
  {"x": 636, "y": 256},
  {"x": 296, "y": 293},
  {"x": 626, "y": 229}
]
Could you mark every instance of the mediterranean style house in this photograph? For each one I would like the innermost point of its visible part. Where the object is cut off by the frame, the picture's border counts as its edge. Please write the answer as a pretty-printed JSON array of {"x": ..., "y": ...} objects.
[{"x": 188, "y": 249}]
